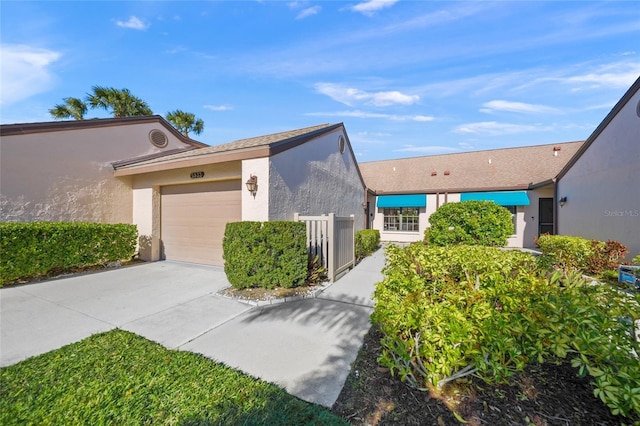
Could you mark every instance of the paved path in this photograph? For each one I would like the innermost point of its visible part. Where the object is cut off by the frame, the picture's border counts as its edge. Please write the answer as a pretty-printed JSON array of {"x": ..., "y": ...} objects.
[{"x": 305, "y": 346}]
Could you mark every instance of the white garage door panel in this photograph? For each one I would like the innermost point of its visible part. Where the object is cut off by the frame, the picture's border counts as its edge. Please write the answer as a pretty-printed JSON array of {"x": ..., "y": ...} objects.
[{"x": 194, "y": 217}]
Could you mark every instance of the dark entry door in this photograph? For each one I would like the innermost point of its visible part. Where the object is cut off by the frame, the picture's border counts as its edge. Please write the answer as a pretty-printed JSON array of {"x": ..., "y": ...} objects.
[{"x": 545, "y": 216}]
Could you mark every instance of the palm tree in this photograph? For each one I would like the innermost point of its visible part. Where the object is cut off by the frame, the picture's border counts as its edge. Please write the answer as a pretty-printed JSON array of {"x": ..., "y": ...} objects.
[
  {"x": 72, "y": 108},
  {"x": 185, "y": 122},
  {"x": 121, "y": 102}
]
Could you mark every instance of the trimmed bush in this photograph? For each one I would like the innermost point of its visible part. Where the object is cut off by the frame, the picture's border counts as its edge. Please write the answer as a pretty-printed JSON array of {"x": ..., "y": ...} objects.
[
  {"x": 268, "y": 255},
  {"x": 451, "y": 312},
  {"x": 482, "y": 223},
  {"x": 576, "y": 253},
  {"x": 367, "y": 241},
  {"x": 33, "y": 249}
]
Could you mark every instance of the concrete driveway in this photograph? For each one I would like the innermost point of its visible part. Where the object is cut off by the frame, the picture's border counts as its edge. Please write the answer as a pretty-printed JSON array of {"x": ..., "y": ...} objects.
[{"x": 305, "y": 346}]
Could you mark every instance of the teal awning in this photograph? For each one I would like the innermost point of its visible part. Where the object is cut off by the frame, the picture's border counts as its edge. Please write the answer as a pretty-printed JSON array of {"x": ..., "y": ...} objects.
[
  {"x": 404, "y": 200},
  {"x": 504, "y": 198}
]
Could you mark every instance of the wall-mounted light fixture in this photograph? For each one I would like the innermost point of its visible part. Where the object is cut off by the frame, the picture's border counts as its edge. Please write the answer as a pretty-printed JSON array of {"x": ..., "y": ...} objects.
[
  {"x": 252, "y": 185},
  {"x": 562, "y": 201}
]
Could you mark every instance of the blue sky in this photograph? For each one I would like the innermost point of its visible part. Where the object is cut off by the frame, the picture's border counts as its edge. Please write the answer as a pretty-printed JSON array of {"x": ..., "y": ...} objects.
[{"x": 407, "y": 78}]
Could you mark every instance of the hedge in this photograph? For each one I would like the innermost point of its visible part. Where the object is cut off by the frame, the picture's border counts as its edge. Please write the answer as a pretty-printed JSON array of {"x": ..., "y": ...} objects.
[
  {"x": 34, "y": 249},
  {"x": 482, "y": 223},
  {"x": 451, "y": 312},
  {"x": 581, "y": 254},
  {"x": 267, "y": 255},
  {"x": 367, "y": 241}
]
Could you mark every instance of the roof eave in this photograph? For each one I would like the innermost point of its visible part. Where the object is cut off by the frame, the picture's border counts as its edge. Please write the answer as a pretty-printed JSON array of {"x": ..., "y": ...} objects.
[{"x": 213, "y": 158}]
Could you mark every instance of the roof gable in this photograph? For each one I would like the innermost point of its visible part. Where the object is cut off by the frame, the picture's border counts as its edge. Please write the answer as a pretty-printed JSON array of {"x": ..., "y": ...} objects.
[
  {"x": 70, "y": 125},
  {"x": 498, "y": 169},
  {"x": 256, "y": 147}
]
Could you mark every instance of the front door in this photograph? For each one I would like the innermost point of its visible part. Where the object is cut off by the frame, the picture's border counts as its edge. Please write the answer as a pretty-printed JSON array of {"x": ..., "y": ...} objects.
[{"x": 545, "y": 216}]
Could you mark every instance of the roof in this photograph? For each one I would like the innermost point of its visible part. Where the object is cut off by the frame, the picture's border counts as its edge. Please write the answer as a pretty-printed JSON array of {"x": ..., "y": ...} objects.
[
  {"x": 497, "y": 169},
  {"x": 256, "y": 147},
  {"x": 635, "y": 87},
  {"x": 69, "y": 125}
]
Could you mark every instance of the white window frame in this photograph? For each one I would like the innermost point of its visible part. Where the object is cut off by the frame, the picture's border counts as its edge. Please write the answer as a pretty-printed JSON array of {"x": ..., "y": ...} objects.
[{"x": 402, "y": 221}]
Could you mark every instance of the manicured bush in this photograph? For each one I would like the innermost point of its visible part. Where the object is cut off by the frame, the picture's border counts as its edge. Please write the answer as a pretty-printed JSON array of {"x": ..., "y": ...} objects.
[
  {"x": 582, "y": 254},
  {"x": 482, "y": 223},
  {"x": 367, "y": 241},
  {"x": 451, "y": 312},
  {"x": 565, "y": 252},
  {"x": 33, "y": 249},
  {"x": 268, "y": 255}
]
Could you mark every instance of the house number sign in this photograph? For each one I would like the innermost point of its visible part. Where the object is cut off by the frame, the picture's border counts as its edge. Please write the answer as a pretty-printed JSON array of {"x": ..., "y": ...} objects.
[{"x": 197, "y": 175}]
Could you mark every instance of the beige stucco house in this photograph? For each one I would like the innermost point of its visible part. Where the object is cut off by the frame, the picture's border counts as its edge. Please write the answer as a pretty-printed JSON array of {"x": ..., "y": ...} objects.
[
  {"x": 403, "y": 193},
  {"x": 600, "y": 186},
  {"x": 179, "y": 192}
]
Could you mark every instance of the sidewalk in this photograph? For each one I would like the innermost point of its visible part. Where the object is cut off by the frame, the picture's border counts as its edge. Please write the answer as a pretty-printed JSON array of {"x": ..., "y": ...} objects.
[{"x": 306, "y": 346}]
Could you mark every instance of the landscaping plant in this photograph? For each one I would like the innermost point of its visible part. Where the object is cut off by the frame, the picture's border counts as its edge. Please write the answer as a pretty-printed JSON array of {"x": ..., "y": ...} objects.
[
  {"x": 367, "y": 241},
  {"x": 451, "y": 312},
  {"x": 570, "y": 253},
  {"x": 267, "y": 255},
  {"x": 482, "y": 223},
  {"x": 33, "y": 249}
]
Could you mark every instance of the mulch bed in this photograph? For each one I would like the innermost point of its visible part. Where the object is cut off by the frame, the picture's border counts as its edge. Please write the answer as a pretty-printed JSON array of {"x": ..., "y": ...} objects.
[{"x": 546, "y": 394}]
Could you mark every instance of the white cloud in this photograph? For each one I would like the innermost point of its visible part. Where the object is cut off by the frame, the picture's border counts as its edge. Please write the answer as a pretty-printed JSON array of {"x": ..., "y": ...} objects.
[
  {"x": 219, "y": 107},
  {"x": 370, "y": 7},
  {"x": 364, "y": 114},
  {"x": 521, "y": 107},
  {"x": 133, "y": 23},
  {"x": 310, "y": 11},
  {"x": 426, "y": 149},
  {"x": 25, "y": 72},
  {"x": 350, "y": 96},
  {"x": 492, "y": 128}
]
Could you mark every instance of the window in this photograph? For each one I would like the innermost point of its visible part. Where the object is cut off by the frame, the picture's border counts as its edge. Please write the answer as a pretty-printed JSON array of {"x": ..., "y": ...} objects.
[
  {"x": 401, "y": 219},
  {"x": 514, "y": 217}
]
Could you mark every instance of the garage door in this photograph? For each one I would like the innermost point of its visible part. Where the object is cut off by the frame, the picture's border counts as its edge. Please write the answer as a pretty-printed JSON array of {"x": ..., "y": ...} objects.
[{"x": 193, "y": 218}]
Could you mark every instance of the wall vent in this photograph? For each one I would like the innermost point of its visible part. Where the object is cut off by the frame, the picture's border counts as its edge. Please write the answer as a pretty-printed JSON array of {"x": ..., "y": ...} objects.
[
  {"x": 158, "y": 138},
  {"x": 446, "y": 173}
]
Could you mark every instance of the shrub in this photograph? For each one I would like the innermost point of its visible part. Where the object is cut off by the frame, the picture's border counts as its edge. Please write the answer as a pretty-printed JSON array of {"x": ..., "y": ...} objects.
[
  {"x": 576, "y": 253},
  {"x": 367, "y": 241},
  {"x": 606, "y": 257},
  {"x": 450, "y": 312},
  {"x": 470, "y": 222},
  {"x": 38, "y": 248},
  {"x": 268, "y": 255}
]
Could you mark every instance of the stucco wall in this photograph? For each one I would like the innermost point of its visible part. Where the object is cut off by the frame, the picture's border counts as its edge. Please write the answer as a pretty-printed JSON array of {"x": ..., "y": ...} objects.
[
  {"x": 603, "y": 186},
  {"x": 315, "y": 178},
  {"x": 67, "y": 175},
  {"x": 256, "y": 208}
]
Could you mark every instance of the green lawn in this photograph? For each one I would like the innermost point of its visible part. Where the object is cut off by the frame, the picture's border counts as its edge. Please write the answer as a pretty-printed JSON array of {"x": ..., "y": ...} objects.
[{"x": 120, "y": 378}]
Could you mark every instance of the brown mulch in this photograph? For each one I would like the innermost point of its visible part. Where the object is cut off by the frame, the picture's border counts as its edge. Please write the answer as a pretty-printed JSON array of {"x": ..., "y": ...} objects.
[
  {"x": 256, "y": 294},
  {"x": 542, "y": 395}
]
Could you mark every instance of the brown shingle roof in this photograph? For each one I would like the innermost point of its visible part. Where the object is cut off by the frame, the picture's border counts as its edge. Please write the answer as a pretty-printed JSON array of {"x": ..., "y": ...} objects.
[
  {"x": 497, "y": 169},
  {"x": 276, "y": 141}
]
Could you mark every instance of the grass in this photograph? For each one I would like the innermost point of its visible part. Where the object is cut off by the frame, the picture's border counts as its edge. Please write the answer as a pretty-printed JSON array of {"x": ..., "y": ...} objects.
[{"x": 120, "y": 378}]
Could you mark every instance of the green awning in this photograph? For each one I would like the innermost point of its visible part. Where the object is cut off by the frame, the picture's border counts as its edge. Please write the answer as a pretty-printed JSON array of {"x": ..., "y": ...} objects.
[
  {"x": 504, "y": 198},
  {"x": 404, "y": 200}
]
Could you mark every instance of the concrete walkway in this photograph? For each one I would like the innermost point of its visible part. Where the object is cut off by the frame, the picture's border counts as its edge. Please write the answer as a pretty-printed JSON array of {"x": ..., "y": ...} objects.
[{"x": 305, "y": 346}]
